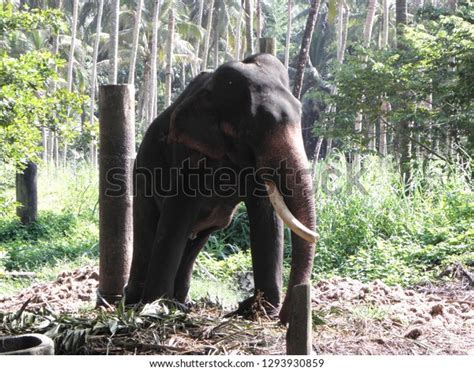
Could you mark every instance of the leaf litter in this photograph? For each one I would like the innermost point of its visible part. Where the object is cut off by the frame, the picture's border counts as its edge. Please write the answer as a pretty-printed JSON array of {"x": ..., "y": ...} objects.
[{"x": 349, "y": 317}]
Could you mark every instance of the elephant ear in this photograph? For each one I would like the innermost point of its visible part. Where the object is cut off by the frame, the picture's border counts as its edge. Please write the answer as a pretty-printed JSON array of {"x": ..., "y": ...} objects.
[{"x": 194, "y": 123}]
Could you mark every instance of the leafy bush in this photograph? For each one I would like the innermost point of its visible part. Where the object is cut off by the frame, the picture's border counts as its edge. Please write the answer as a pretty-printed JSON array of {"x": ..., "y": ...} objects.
[
  {"x": 381, "y": 233},
  {"x": 53, "y": 238},
  {"x": 67, "y": 227},
  {"x": 369, "y": 232}
]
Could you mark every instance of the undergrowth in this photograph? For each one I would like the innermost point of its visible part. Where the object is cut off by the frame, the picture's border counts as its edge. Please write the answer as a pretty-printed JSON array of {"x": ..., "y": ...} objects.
[{"x": 370, "y": 229}]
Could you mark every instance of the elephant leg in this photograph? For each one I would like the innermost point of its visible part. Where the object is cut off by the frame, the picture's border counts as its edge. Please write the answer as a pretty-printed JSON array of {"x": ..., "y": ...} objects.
[
  {"x": 145, "y": 220},
  {"x": 177, "y": 217},
  {"x": 185, "y": 271},
  {"x": 266, "y": 238}
]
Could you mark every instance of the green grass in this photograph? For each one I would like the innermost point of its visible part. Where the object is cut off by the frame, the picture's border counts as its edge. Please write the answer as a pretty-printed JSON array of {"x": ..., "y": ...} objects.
[
  {"x": 377, "y": 233},
  {"x": 381, "y": 233},
  {"x": 66, "y": 233}
]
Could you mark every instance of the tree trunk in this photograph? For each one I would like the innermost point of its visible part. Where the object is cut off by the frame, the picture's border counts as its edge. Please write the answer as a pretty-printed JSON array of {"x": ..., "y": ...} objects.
[
  {"x": 50, "y": 147},
  {"x": 238, "y": 34},
  {"x": 27, "y": 194},
  {"x": 249, "y": 27},
  {"x": 328, "y": 146},
  {"x": 169, "y": 57},
  {"x": 216, "y": 49},
  {"x": 56, "y": 151},
  {"x": 197, "y": 45},
  {"x": 288, "y": 33},
  {"x": 357, "y": 129},
  {"x": 70, "y": 64},
  {"x": 404, "y": 125},
  {"x": 369, "y": 22},
  {"x": 345, "y": 26},
  {"x": 385, "y": 105},
  {"x": 152, "y": 110},
  {"x": 401, "y": 13},
  {"x": 136, "y": 34},
  {"x": 94, "y": 61},
  {"x": 205, "y": 54},
  {"x": 259, "y": 19},
  {"x": 183, "y": 76},
  {"x": 267, "y": 45},
  {"x": 368, "y": 28},
  {"x": 371, "y": 136},
  {"x": 143, "y": 95},
  {"x": 113, "y": 42},
  {"x": 65, "y": 148},
  {"x": 305, "y": 45},
  {"x": 385, "y": 23},
  {"x": 383, "y": 129},
  {"x": 340, "y": 26},
  {"x": 56, "y": 46},
  {"x": 45, "y": 145}
]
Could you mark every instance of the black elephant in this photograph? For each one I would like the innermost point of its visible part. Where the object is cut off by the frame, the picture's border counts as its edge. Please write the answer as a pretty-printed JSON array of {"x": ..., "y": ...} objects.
[{"x": 232, "y": 136}]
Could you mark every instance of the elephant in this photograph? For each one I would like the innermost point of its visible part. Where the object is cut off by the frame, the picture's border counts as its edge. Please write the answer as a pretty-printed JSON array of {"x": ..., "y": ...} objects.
[{"x": 241, "y": 121}]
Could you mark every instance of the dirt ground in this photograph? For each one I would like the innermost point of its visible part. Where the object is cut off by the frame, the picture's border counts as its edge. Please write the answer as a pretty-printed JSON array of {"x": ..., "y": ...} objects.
[{"x": 349, "y": 317}]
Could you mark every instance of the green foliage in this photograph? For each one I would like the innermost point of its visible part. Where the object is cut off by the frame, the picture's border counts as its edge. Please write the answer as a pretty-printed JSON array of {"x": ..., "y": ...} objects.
[
  {"x": 67, "y": 227},
  {"x": 51, "y": 240},
  {"x": 380, "y": 233},
  {"x": 29, "y": 19},
  {"x": 437, "y": 58},
  {"x": 373, "y": 232},
  {"x": 232, "y": 239},
  {"x": 28, "y": 100}
]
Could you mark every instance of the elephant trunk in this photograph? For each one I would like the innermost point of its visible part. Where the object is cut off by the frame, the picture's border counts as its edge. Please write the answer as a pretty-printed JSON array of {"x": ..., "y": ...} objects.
[
  {"x": 288, "y": 218},
  {"x": 297, "y": 194}
]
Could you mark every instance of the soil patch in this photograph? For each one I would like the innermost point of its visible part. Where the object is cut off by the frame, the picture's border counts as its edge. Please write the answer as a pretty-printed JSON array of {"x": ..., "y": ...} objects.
[{"x": 349, "y": 317}]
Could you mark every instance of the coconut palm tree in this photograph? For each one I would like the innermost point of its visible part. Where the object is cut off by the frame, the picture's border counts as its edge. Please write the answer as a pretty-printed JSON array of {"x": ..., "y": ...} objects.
[
  {"x": 258, "y": 10},
  {"x": 304, "y": 50},
  {"x": 368, "y": 27},
  {"x": 205, "y": 53},
  {"x": 288, "y": 33},
  {"x": 238, "y": 33},
  {"x": 404, "y": 125},
  {"x": 92, "y": 151},
  {"x": 153, "y": 62},
  {"x": 369, "y": 22},
  {"x": 136, "y": 34},
  {"x": 385, "y": 105},
  {"x": 200, "y": 14},
  {"x": 70, "y": 64},
  {"x": 114, "y": 42},
  {"x": 249, "y": 26},
  {"x": 169, "y": 57}
]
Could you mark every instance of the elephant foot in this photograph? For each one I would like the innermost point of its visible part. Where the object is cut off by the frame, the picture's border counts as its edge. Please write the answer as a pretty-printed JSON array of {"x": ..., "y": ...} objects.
[
  {"x": 132, "y": 293},
  {"x": 284, "y": 314},
  {"x": 255, "y": 308}
]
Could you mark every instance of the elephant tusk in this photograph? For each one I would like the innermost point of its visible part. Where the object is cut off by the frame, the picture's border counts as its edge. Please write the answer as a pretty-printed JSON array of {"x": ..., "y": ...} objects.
[{"x": 288, "y": 218}]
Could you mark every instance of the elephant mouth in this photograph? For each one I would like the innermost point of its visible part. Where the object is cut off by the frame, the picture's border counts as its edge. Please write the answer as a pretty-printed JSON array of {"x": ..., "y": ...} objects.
[{"x": 288, "y": 218}]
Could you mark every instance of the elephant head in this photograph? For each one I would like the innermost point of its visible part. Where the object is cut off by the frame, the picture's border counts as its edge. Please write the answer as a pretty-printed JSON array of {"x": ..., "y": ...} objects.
[{"x": 245, "y": 111}]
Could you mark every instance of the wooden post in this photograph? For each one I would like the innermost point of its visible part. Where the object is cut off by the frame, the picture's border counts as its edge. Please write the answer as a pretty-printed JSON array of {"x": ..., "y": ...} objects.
[
  {"x": 299, "y": 335},
  {"x": 27, "y": 194},
  {"x": 267, "y": 45},
  {"x": 117, "y": 151}
]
